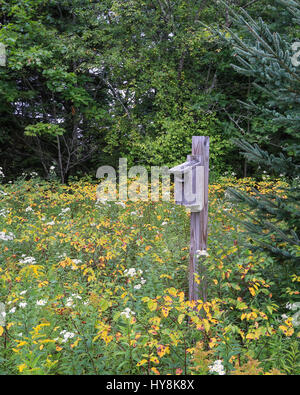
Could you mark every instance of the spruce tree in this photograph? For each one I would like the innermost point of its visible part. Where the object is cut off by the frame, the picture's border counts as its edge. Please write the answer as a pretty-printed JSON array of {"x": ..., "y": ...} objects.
[{"x": 269, "y": 59}]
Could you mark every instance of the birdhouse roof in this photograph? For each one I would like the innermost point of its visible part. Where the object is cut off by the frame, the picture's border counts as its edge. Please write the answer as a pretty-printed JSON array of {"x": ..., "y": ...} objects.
[{"x": 186, "y": 166}]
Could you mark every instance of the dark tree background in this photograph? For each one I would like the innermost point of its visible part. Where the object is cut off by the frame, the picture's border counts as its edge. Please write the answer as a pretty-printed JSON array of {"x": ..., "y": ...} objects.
[{"x": 87, "y": 82}]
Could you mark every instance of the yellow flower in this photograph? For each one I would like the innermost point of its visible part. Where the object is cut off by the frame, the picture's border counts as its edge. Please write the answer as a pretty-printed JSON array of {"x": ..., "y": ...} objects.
[
  {"x": 142, "y": 362},
  {"x": 22, "y": 367},
  {"x": 212, "y": 342},
  {"x": 154, "y": 359},
  {"x": 75, "y": 344},
  {"x": 165, "y": 311},
  {"x": 286, "y": 330},
  {"x": 162, "y": 350}
]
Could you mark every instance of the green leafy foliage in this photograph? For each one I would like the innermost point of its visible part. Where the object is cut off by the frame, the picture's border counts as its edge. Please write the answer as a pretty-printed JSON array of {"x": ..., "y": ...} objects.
[
  {"x": 42, "y": 128},
  {"x": 122, "y": 79}
]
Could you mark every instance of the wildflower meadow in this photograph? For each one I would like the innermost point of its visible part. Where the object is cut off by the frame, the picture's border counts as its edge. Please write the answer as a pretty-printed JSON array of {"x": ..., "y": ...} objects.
[
  {"x": 91, "y": 287},
  {"x": 150, "y": 190}
]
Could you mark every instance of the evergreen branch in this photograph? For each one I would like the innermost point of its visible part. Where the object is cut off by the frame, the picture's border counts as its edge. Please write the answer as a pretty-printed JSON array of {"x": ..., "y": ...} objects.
[{"x": 280, "y": 164}]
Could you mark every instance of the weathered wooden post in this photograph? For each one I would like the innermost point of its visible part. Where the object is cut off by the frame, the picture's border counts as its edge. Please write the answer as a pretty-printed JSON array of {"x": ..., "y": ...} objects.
[
  {"x": 191, "y": 190},
  {"x": 2, "y": 55},
  {"x": 199, "y": 221}
]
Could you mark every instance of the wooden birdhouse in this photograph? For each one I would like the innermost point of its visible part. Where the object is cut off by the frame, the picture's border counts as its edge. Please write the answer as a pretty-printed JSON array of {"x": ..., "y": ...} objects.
[{"x": 189, "y": 183}]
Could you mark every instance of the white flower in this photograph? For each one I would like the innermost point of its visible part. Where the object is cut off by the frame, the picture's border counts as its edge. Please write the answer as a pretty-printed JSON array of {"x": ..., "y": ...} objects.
[
  {"x": 27, "y": 259},
  {"x": 76, "y": 296},
  {"x": 164, "y": 223},
  {"x": 76, "y": 261},
  {"x": 52, "y": 167},
  {"x": 64, "y": 210},
  {"x": 217, "y": 367},
  {"x": 127, "y": 312},
  {"x": 171, "y": 35},
  {"x": 4, "y": 212},
  {"x": 294, "y": 306},
  {"x": 296, "y": 319},
  {"x": 50, "y": 223},
  {"x": 22, "y": 304},
  {"x": 201, "y": 253},
  {"x": 2, "y": 318},
  {"x": 143, "y": 281},
  {"x": 66, "y": 335},
  {"x": 6, "y": 236},
  {"x": 29, "y": 208},
  {"x": 41, "y": 302},
  {"x": 13, "y": 310},
  {"x": 69, "y": 302},
  {"x": 138, "y": 286},
  {"x": 130, "y": 272}
]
